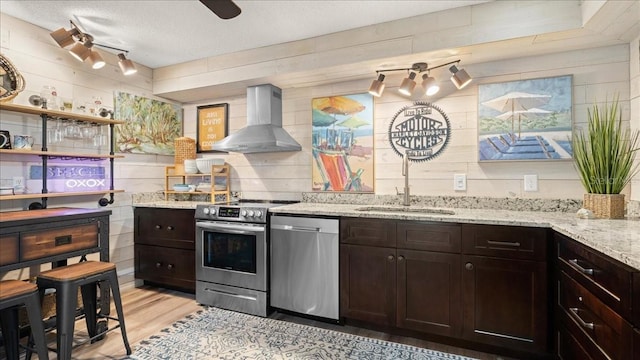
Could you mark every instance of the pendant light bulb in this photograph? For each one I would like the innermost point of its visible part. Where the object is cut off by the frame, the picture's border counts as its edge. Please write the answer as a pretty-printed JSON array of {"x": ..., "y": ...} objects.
[{"x": 96, "y": 60}]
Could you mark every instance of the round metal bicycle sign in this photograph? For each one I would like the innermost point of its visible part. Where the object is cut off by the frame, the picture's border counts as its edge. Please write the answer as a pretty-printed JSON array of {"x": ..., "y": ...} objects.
[{"x": 421, "y": 130}]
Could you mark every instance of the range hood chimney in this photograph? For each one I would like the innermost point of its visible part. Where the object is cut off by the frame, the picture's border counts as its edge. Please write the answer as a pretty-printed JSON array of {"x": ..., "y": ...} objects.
[{"x": 264, "y": 132}]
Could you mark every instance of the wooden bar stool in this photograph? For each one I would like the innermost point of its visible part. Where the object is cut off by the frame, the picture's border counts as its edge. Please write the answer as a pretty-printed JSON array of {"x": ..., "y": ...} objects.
[
  {"x": 13, "y": 294},
  {"x": 66, "y": 280}
]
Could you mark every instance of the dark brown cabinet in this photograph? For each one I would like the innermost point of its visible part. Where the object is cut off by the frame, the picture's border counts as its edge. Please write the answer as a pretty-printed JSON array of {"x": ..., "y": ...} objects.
[
  {"x": 388, "y": 278},
  {"x": 595, "y": 308},
  {"x": 505, "y": 286},
  {"x": 164, "y": 244}
]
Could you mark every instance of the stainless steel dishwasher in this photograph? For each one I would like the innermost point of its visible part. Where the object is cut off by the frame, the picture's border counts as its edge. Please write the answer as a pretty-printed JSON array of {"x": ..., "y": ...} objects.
[{"x": 304, "y": 265}]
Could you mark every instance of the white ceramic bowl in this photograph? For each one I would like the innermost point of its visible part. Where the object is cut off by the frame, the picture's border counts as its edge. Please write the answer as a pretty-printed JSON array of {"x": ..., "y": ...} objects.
[
  {"x": 204, "y": 164},
  {"x": 180, "y": 187}
]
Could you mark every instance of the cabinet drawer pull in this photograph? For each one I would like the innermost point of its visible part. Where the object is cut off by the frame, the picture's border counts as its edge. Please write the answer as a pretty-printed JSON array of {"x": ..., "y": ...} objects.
[
  {"x": 158, "y": 264},
  {"x": 582, "y": 322},
  {"x": 158, "y": 227},
  {"x": 400, "y": 258},
  {"x": 170, "y": 227},
  {"x": 504, "y": 243},
  {"x": 170, "y": 266},
  {"x": 575, "y": 264},
  {"x": 468, "y": 266},
  {"x": 390, "y": 257}
]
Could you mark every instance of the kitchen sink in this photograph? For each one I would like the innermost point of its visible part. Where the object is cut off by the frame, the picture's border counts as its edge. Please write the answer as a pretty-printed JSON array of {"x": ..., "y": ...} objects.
[{"x": 406, "y": 209}]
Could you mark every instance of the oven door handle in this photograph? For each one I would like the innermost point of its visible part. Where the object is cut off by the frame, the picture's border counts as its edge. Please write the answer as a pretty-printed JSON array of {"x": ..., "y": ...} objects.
[{"x": 236, "y": 229}]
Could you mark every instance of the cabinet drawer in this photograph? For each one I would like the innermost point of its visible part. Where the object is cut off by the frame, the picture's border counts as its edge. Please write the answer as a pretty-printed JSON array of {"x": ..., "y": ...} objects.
[
  {"x": 371, "y": 232},
  {"x": 38, "y": 244},
  {"x": 572, "y": 348},
  {"x": 166, "y": 227},
  {"x": 606, "y": 278},
  {"x": 596, "y": 320},
  {"x": 636, "y": 344},
  {"x": 425, "y": 236},
  {"x": 173, "y": 267},
  {"x": 9, "y": 245},
  {"x": 513, "y": 242}
]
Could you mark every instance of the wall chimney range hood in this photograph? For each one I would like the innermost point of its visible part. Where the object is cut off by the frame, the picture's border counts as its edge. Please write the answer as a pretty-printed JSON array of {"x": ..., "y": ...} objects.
[{"x": 264, "y": 132}]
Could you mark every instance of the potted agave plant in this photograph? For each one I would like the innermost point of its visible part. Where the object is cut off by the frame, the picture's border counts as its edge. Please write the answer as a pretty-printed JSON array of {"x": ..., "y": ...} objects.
[{"x": 604, "y": 157}]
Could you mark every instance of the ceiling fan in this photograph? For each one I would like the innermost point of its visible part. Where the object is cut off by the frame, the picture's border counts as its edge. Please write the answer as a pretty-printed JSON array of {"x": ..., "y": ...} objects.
[{"x": 225, "y": 9}]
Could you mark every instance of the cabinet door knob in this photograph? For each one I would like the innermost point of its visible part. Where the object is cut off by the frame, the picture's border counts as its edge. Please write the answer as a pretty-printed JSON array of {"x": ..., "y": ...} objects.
[
  {"x": 170, "y": 227},
  {"x": 158, "y": 264},
  {"x": 400, "y": 258},
  {"x": 468, "y": 266},
  {"x": 158, "y": 227},
  {"x": 390, "y": 257},
  {"x": 170, "y": 266}
]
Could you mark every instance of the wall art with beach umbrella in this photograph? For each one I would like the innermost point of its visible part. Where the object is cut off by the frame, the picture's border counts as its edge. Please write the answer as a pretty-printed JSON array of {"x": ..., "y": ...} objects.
[
  {"x": 525, "y": 120},
  {"x": 342, "y": 143}
]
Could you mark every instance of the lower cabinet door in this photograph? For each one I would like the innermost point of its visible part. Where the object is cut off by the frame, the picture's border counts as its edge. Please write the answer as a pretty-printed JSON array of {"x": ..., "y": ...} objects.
[
  {"x": 636, "y": 344},
  {"x": 505, "y": 302},
  {"x": 166, "y": 266},
  {"x": 428, "y": 297},
  {"x": 368, "y": 284}
]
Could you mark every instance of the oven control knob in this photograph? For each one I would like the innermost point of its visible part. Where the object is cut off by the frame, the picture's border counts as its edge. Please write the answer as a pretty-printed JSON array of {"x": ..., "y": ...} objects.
[
  {"x": 205, "y": 211},
  {"x": 243, "y": 213},
  {"x": 250, "y": 213},
  {"x": 212, "y": 211},
  {"x": 258, "y": 213}
]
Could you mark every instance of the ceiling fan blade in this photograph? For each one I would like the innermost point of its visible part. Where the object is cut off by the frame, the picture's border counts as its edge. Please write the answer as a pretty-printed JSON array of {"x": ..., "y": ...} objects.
[{"x": 225, "y": 9}]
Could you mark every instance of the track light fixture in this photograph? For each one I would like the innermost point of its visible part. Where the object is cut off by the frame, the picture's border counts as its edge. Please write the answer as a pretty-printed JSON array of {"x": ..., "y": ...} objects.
[
  {"x": 459, "y": 77},
  {"x": 82, "y": 48}
]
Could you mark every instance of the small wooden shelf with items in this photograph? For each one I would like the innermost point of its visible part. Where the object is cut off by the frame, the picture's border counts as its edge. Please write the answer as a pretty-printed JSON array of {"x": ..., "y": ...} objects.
[
  {"x": 175, "y": 175},
  {"x": 45, "y": 115}
]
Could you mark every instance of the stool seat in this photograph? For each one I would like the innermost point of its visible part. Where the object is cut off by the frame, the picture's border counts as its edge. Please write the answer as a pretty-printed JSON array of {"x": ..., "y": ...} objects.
[
  {"x": 77, "y": 271},
  {"x": 12, "y": 288},
  {"x": 13, "y": 295}
]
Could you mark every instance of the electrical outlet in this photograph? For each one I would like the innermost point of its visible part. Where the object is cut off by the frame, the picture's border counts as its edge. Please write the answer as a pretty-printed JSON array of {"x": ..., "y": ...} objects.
[
  {"x": 531, "y": 183},
  {"x": 459, "y": 182}
]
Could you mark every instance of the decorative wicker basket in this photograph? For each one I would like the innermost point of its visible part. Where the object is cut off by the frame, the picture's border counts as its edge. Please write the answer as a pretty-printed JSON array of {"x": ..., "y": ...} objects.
[
  {"x": 185, "y": 148},
  {"x": 605, "y": 206},
  {"x": 16, "y": 81}
]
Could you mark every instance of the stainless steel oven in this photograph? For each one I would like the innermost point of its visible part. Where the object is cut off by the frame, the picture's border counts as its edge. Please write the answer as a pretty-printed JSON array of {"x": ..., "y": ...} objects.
[{"x": 232, "y": 256}]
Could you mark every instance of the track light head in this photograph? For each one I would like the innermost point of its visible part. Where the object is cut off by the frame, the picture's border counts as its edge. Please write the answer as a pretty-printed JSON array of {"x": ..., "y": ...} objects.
[
  {"x": 81, "y": 50},
  {"x": 96, "y": 60},
  {"x": 459, "y": 77},
  {"x": 408, "y": 84},
  {"x": 126, "y": 65},
  {"x": 377, "y": 86},
  {"x": 430, "y": 85},
  {"x": 64, "y": 37}
]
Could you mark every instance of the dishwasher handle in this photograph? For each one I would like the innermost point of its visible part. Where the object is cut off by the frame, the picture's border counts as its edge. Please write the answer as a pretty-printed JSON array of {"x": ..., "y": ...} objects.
[{"x": 295, "y": 228}]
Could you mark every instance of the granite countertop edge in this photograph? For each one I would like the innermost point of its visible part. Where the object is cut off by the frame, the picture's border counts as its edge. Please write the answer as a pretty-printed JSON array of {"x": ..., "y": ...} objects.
[{"x": 619, "y": 239}]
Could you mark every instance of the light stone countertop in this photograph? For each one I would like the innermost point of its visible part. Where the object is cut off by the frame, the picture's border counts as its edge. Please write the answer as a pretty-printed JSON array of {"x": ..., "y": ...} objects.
[{"x": 619, "y": 239}]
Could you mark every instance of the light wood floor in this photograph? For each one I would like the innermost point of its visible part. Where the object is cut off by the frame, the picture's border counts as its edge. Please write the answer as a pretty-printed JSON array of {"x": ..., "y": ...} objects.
[{"x": 148, "y": 310}]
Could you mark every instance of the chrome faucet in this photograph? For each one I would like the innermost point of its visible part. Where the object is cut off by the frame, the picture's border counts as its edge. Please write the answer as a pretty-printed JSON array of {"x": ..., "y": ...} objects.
[{"x": 405, "y": 173}]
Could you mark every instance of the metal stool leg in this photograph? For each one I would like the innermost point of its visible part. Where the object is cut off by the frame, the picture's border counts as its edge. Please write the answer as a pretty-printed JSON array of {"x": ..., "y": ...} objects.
[
  {"x": 37, "y": 328},
  {"x": 115, "y": 289},
  {"x": 89, "y": 300},
  {"x": 9, "y": 324},
  {"x": 66, "y": 303}
]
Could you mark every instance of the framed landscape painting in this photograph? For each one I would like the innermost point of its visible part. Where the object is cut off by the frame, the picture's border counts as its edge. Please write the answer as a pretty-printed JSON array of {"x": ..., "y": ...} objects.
[
  {"x": 151, "y": 126},
  {"x": 525, "y": 120}
]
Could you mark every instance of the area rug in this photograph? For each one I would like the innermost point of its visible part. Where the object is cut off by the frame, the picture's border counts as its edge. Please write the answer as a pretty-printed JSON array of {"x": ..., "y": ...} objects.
[{"x": 214, "y": 333}]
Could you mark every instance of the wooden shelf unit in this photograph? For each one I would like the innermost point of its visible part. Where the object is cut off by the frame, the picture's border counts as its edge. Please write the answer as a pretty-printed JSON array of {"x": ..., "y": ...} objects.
[
  {"x": 46, "y": 114},
  {"x": 217, "y": 171}
]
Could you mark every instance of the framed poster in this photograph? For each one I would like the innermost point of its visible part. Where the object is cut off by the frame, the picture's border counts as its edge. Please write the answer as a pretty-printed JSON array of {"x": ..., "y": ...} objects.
[
  {"x": 211, "y": 126},
  {"x": 525, "y": 120},
  {"x": 342, "y": 143}
]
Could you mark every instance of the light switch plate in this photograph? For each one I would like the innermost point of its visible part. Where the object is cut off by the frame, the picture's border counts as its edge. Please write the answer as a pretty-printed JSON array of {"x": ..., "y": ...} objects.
[
  {"x": 459, "y": 182},
  {"x": 531, "y": 183}
]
